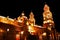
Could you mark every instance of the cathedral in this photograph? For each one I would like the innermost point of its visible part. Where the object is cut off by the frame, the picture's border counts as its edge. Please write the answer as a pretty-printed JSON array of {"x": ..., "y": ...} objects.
[{"x": 24, "y": 28}]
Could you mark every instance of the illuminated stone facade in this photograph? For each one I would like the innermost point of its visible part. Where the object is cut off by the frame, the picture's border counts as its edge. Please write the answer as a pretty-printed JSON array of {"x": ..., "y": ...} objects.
[
  {"x": 47, "y": 17},
  {"x": 24, "y": 24}
]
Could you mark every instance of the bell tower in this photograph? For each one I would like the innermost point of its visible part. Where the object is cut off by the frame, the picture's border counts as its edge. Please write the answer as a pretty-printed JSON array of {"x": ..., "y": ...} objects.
[{"x": 47, "y": 17}]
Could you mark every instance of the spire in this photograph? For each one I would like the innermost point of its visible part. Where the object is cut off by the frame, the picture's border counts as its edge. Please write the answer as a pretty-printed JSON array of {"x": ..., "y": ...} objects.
[
  {"x": 31, "y": 14},
  {"x": 31, "y": 18},
  {"x": 23, "y": 13},
  {"x": 47, "y": 16},
  {"x": 46, "y": 7}
]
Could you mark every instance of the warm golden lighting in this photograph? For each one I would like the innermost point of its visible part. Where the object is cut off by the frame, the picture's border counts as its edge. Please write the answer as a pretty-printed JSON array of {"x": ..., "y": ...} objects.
[
  {"x": 7, "y": 29},
  {"x": 1, "y": 30},
  {"x": 10, "y": 19},
  {"x": 23, "y": 25},
  {"x": 22, "y": 14},
  {"x": 31, "y": 29},
  {"x": 50, "y": 24},
  {"x": 22, "y": 32},
  {"x": 31, "y": 18},
  {"x": 49, "y": 28},
  {"x": 27, "y": 23},
  {"x": 46, "y": 7},
  {"x": 49, "y": 21},
  {"x": 32, "y": 33},
  {"x": 44, "y": 34},
  {"x": 47, "y": 17},
  {"x": 32, "y": 24},
  {"x": 17, "y": 37},
  {"x": 19, "y": 21},
  {"x": 2, "y": 17},
  {"x": 6, "y": 20},
  {"x": 44, "y": 22}
]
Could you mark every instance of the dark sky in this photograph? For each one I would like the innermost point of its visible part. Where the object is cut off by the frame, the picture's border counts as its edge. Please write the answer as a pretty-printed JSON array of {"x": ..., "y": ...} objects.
[{"x": 14, "y": 9}]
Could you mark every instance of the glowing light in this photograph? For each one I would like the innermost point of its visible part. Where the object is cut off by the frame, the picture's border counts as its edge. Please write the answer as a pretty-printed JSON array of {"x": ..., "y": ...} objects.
[
  {"x": 31, "y": 29},
  {"x": 6, "y": 20},
  {"x": 22, "y": 32},
  {"x": 23, "y": 14},
  {"x": 1, "y": 30},
  {"x": 32, "y": 33},
  {"x": 17, "y": 37},
  {"x": 50, "y": 24},
  {"x": 48, "y": 20},
  {"x": 37, "y": 26},
  {"x": 27, "y": 23},
  {"x": 44, "y": 18},
  {"x": 32, "y": 24},
  {"x": 7, "y": 29},
  {"x": 2, "y": 17},
  {"x": 49, "y": 28},
  {"x": 44, "y": 34},
  {"x": 11, "y": 19},
  {"x": 45, "y": 22},
  {"x": 19, "y": 21},
  {"x": 46, "y": 7}
]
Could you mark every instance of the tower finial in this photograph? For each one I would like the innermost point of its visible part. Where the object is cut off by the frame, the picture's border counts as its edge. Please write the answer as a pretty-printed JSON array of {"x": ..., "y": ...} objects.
[
  {"x": 31, "y": 13},
  {"x": 23, "y": 13},
  {"x": 46, "y": 7}
]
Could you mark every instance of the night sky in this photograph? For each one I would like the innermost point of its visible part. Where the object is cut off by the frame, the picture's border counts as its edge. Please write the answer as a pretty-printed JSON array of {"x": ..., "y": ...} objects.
[{"x": 13, "y": 9}]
